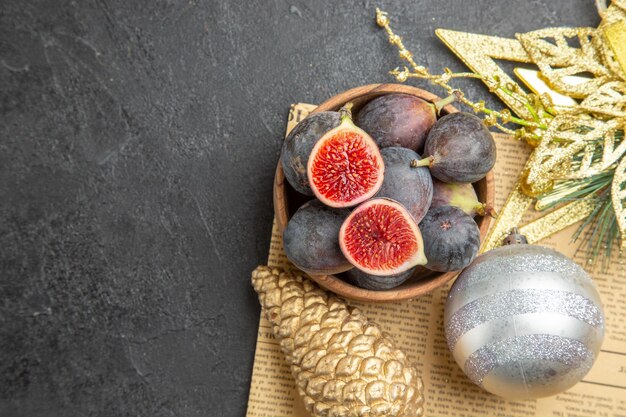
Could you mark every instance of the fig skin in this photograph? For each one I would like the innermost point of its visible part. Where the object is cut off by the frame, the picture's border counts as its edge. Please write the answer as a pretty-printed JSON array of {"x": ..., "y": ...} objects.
[
  {"x": 400, "y": 120},
  {"x": 411, "y": 187},
  {"x": 377, "y": 283},
  {"x": 298, "y": 146},
  {"x": 311, "y": 239},
  {"x": 462, "y": 196},
  {"x": 451, "y": 238},
  {"x": 460, "y": 149}
]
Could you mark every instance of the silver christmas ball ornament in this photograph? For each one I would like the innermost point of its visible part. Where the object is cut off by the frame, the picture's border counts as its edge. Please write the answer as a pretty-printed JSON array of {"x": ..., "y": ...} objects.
[{"x": 524, "y": 321}]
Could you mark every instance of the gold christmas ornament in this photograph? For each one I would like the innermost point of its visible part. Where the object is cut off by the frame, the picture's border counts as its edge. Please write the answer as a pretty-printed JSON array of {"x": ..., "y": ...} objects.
[
  {"x": 574, "y": 118},
  {"x": 344, "y": 365}
]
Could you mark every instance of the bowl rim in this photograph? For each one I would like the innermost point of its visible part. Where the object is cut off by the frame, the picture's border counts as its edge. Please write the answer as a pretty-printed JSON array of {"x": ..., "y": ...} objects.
[{"x": 337, "y": 285}]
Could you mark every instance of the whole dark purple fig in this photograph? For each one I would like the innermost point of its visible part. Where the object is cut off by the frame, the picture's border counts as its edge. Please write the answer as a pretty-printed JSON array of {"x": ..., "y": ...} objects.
[
  {"x": 311, "y": 239},
  {"x": 298, "y": 146},
  {"x": 397, "y": 120},
  {"x": 462, "y": 196},
  {"x": 451, "y": 238},
  {"x": 411, "y": 187},
  {"x": 459, "y": 148},
  {"x": 375, "y": 282}
]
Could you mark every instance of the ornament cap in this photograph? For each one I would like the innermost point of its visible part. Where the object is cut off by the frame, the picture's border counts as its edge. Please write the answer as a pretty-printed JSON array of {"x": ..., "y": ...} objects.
[{"x": 515, "y": 238}]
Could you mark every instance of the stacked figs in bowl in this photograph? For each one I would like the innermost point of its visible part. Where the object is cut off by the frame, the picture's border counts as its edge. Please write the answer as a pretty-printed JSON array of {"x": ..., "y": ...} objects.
[{"x": 384, "y": 192}]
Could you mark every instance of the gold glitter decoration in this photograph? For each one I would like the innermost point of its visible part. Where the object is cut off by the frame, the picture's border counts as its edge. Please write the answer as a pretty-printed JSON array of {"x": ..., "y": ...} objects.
[
  {"x": 478, "y": 53},
  {"x": 533, "y": 80},
  {"x": 535, "y": 188},
  {"x": 577, "y": 135},
  {"x": 578, "y": 128},
  {"x": 612, "y": 33},
  {"x": 558, "y": 219},
  {"x": 556, "y": 59},
  {"x": 565, "y": 137},
  {"x": 344, "y": 364},
  {"x": 615, "y": 34},
  {"x": 608, "y": 100}
]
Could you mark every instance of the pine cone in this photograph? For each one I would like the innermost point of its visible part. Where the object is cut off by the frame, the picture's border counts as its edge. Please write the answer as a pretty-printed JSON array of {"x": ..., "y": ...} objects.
[{"x": 344, "y": 365}]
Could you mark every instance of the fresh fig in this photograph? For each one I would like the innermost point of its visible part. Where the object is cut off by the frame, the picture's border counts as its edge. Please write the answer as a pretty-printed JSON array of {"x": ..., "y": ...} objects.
[
  {"x": 381, "y": 238},
  {"x": 411, "y": 187},
  {"x": 345, "y": 167},
  {"x": 298, "y": 146},
  {"x": 377, "y": 283},
  {"x": 399, "y": 120},
  {"x": 462, "y": 196},
  {"x": 311, "y": 239},
  {"x": 459, "y": 148},
  {"x": 451, "y": 238}
]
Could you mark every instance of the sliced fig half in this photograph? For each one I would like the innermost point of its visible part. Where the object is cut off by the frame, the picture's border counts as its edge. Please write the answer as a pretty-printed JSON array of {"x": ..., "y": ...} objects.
[
  {"x": 345, "y": 167},
  {"x": 381, "y": 238}
]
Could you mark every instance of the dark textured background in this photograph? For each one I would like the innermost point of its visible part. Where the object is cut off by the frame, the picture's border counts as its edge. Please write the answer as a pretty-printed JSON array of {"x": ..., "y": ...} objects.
[{"x": 138, "y": 143}]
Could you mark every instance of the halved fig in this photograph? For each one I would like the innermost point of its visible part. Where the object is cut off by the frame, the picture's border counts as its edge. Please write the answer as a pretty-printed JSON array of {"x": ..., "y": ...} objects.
[
  {"x": 381, "y": 238},
  {"x": 345, "y": 167}
]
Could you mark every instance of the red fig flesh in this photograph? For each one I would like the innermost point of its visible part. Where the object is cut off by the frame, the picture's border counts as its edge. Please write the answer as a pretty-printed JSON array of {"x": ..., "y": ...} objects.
[
  {"x": 380, "y": 237},
  {"x": 345, "y": 167}
]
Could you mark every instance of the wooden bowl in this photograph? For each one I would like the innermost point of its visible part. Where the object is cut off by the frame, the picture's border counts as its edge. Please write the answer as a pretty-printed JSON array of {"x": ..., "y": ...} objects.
[{"x": 287, "y": 201}]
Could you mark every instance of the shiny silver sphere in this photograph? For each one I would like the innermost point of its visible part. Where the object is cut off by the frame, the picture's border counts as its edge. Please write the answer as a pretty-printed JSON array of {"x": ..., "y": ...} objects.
[{"x": 524, "y": 321}]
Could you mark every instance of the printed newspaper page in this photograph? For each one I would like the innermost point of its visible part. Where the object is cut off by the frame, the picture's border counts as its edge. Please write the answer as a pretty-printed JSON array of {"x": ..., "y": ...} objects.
[{"x": 417, "y": 325}]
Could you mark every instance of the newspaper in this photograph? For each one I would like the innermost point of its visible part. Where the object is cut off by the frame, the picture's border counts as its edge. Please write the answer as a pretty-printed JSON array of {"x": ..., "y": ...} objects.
[{"x": 417, "y": 325}]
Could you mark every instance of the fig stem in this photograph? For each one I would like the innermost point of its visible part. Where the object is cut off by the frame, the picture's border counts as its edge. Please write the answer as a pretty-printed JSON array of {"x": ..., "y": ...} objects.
[
  {"x": 483, "y": 209},
  {"x": 346, "y": 112},
  {"x": 425, "y": 162},
  {"x": 444, "y": 102}
]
